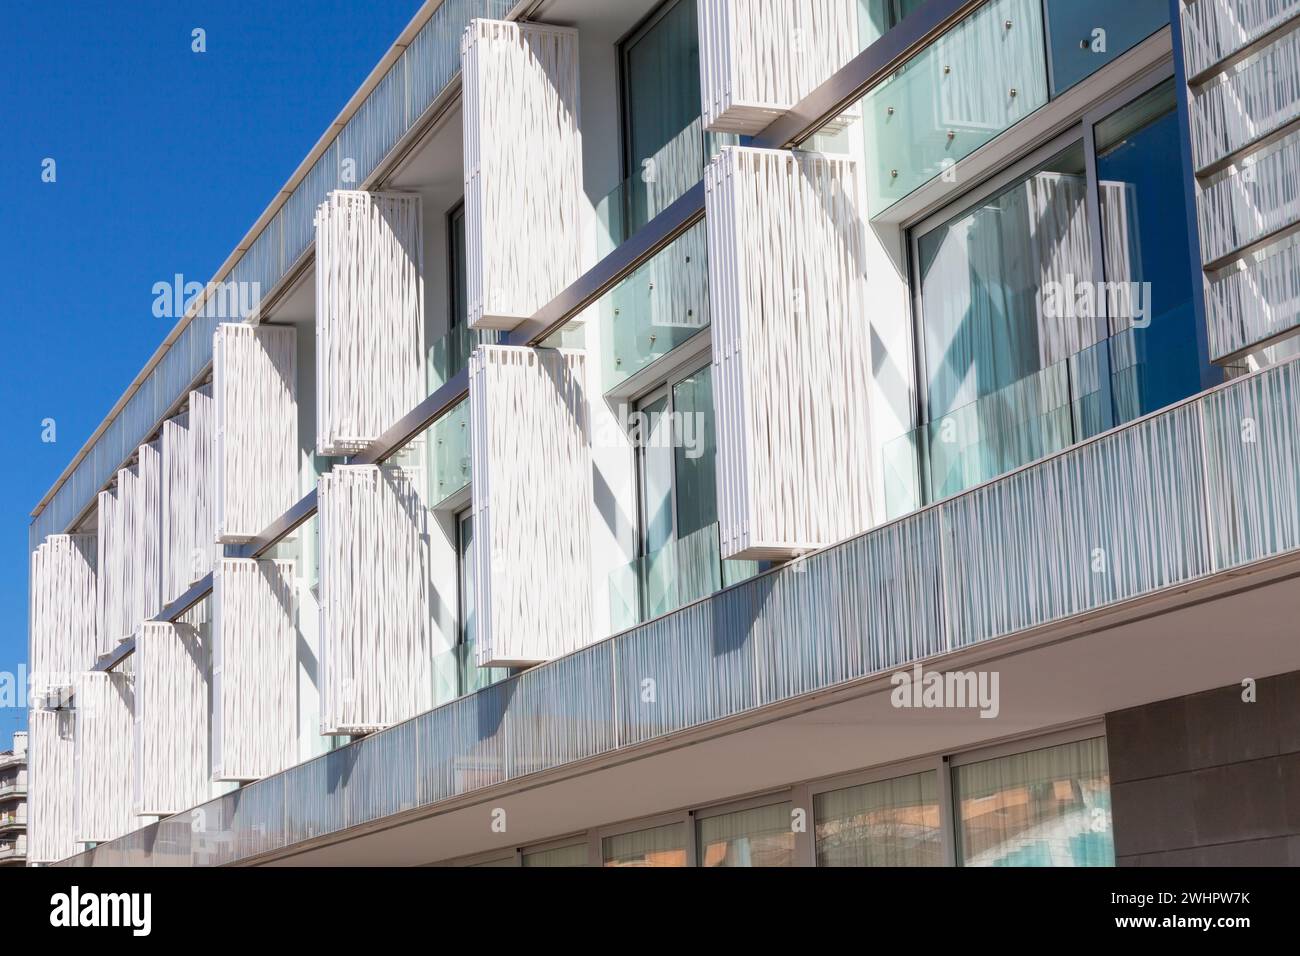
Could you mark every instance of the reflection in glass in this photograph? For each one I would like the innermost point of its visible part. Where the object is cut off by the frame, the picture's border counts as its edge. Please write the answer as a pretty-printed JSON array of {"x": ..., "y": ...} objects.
[
  {"x": 1044, "y": 808},
  {"x": 450, "y": 352},
  {"x": 1157, "y": 356},
  {"x": 885, "y": 823},
  {"x": 681, "y": 558},
  {"x": 1084, "y": 37},
  {"x": 762, "y": 836},
  {"x": 657, "y": 846},
  {"x": 664, "y": 140}
]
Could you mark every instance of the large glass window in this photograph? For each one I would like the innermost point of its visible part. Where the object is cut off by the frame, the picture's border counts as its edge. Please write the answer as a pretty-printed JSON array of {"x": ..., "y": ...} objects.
[
  {"x": 761, "y": 836},
  {"x": 672, "y": 430},
  {"x": 449, "y": 353},
  {"x": 656, "y": 846},
  {"x": 664, "y": 143},
  {"x": 1047, "y": 807},
  {"x": 885, "y": 823},
  {"x": 1156, "y": 355},
  {"x": 1055, "y": 307}
]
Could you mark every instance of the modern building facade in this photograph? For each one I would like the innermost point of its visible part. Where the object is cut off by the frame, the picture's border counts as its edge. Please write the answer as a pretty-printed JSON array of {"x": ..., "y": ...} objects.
[
  {"x": 719, "y": 433},
  {"x": 13, "y": 803}
]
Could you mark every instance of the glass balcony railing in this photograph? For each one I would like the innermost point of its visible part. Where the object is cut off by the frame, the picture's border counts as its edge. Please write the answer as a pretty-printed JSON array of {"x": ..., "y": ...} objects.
[
  {"x": 450, "y": 354},
  {"x": 661, "y": 180},
  {"x": 1038, "y": 416},
  {"x": 1212, "y": 498},
  {"x": 396, "y": 104},
  {"x": 689, "y": 568},
  {"x": 656, "y": 308}
]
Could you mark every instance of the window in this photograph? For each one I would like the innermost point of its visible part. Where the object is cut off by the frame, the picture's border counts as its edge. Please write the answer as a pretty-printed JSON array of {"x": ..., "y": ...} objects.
[
  {"x": 679, "y": 560},
  {"x": 885, "y": 823},
  {"x": 761, "y": 836},
  {"x": 573, "y": 855},
  {"x": 1058, "y": 304},
  {"x": 656, "y": 846},
  {"x": 449, "y": 353},
  {"x": 664, "y": 144},
  {"x": 878, "y": 17},
  {"x": 1048, "y": 807}
]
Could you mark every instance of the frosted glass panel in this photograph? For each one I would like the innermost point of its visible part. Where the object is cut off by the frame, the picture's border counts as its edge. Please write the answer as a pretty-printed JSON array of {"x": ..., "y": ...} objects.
[{"x": 981, "y": 77}]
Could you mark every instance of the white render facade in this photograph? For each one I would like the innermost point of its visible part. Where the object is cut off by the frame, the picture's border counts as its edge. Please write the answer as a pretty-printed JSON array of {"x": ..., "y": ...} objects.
[{"x": 721, "y": 433}]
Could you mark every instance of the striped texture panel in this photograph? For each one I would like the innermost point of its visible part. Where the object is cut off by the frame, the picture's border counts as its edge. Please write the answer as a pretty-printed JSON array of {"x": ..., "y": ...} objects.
[
  {"x": 62, "y": 623},
  {"x": 1251, "y": 100},
  {"x": 1254, "y": 299},
  {"x": 531, "y": 491},
  {"x": 254, "y": 669},
  {"x": 1249, "y": 201},
  {"x": 1253, "y": 460},
  {"x": 105, "y": 702},
  {"x": 760, "y": 57},
  {"x": 369, "y": 316},
  {"x": 786, "y": 279},
  {"x": 188, "y": 526},
  {"x": 376, "y": 618},
  {"x": 51, "y": 789},
  {"x": 1213, "y": 30},
  {"x": 112, "y": 582},
  {"x": 171, "y": 734},
  {"x": 1102, "y": 523},
  {"x": 522, "y": 205},
  {"x": 256, "y": 429}
]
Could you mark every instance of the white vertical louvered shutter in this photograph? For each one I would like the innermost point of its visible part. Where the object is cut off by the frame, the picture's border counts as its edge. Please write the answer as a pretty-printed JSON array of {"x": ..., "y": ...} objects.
[
  {"x": 51, "y": 786},
  {"x": 189, "y": 528},
  {"x": 62, "y": 623},
  {"x": 523, "y": 168},
  {"x": 171, "y": 735},
  {"x": 369, "y": 316},
  {"x": 104, "y": 704},
  {"x": 791, "y": 351},
  {"x": 254, "y": 669},
  {"x": 255, "y": 435},
  {"x": 758, "y": 58},
  {"x": 531, "y": 491},
  {"x": 376, "y": 622}
]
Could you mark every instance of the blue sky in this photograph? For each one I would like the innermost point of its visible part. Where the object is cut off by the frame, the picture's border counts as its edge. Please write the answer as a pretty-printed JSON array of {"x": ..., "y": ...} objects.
[{"x": 164, "y": 157}]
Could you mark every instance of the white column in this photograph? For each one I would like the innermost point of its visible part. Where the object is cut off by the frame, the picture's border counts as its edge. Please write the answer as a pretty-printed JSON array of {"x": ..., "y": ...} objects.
[
  {"x": 758, "y": 58},
  {"x": 104, "y": 762},
  {"x": 254, "y": 660},
  {"x": 531, "y": 493},
  {"x": 376, "y": 637},
  {"x": 256, "y": 428},
  {"x": 369, "y": 316},
  {"x": 791, "y": 351},
  {"x": 523, "y": 168}
]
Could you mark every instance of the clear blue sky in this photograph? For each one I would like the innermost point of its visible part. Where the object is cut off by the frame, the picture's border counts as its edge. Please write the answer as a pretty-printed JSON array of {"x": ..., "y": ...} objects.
[{"x": 164, "y": 159}]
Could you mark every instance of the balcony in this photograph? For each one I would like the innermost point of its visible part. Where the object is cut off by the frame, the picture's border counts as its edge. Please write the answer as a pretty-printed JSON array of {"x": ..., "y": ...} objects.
[
  {"x": 13, "y": 852},
  {"x": 12, "y": 789},
  {"x": 13, "y": 821},
  {"x": 1204, "y": 487}
]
